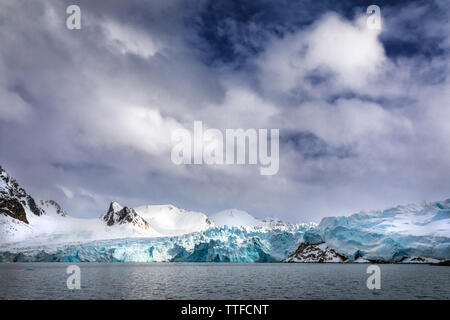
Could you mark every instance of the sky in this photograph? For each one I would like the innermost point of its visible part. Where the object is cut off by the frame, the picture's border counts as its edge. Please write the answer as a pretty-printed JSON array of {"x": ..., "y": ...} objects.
[{"x": 86, "y": 115}]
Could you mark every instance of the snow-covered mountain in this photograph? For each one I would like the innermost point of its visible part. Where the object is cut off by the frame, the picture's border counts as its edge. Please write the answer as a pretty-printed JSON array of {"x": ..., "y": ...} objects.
[
  {"x": 19, "y": 211},
  {"x": 235, "y": 218},
  {"x": 24, "y": 220},
  {"x": 118, "y": 222}
]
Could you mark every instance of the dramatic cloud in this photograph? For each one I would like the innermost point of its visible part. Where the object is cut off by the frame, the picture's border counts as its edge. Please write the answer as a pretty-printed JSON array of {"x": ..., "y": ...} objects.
[
  {"x": 348, "y": 53},
  {"x": 86, "y": 115}
]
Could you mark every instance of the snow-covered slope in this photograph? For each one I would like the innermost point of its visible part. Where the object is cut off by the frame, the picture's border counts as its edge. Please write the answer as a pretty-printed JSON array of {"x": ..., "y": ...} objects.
[
  {"x": 235, "y": 218},
  {"x": 170, "y": 220},
  {"x": 26, "y": 221},
  {"x": 20, "y": 214},
  {"x": 49, "y": 229},
  {"x": 52, "y": 208},
  {"x": 118, "y": 222}
]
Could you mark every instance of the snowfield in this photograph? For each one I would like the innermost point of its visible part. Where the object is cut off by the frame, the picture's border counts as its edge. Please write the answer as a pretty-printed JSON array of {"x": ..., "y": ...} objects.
[{"x": 52, "y": 228}]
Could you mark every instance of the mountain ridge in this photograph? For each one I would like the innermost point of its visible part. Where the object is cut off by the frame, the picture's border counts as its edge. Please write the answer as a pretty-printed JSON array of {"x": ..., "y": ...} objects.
[{"x": 123, "y": 215}]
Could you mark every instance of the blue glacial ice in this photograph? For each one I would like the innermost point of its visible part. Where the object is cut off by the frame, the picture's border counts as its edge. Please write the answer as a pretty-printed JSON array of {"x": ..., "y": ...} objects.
[
  {"x": 389, "y": 235},
  {"x": 220, "y": 244}
]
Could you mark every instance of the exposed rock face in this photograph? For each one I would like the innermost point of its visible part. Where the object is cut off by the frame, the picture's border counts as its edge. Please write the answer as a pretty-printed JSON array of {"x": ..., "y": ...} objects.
[
  {"x": 315, "y": 253},
  {"x": 118, "y": 215},
  {"x": 13, "y": 208},
  {"x": 14, "y": 200},
  {"x": 33, "y": 207}
]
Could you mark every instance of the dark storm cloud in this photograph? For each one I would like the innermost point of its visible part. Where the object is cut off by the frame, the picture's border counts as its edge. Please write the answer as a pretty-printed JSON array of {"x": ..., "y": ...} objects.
[{"x": 86, "y": 115}]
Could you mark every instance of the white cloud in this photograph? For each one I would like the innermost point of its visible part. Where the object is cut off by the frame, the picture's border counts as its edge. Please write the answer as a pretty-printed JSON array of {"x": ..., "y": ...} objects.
[
  {"x": 350, "y": 121},
  {"x": 333, "y": 46},
  {"x": 99, "y": 107},
  {"x": 67, "y": 192},
  {"x": 241, "y": 108},
  {"x": 129, "y": 40},
  {"x": 116, "y": 125}
]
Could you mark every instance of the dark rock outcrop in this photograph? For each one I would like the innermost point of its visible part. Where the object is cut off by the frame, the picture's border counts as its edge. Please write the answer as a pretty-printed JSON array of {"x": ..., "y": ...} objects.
[
  {"x": 13, "y": 208},
  {"x": 443, "y": 263},
  {"x": 315, "y": 253},
  {"x": 118, "y": 215}
]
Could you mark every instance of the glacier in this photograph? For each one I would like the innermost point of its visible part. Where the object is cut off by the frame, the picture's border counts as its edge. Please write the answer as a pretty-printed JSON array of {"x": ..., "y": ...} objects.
[{"x": 218, "y": 244}]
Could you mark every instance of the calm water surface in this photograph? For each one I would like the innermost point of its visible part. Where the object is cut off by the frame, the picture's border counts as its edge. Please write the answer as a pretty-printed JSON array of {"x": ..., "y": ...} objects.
[{"x": 222, "y": 281}]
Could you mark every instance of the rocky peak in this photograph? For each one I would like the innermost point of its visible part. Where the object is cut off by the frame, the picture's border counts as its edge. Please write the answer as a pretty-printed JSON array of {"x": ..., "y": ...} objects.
[
  {"x": 114, "y": 207},
  {"x": 118, "y": 215}
]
